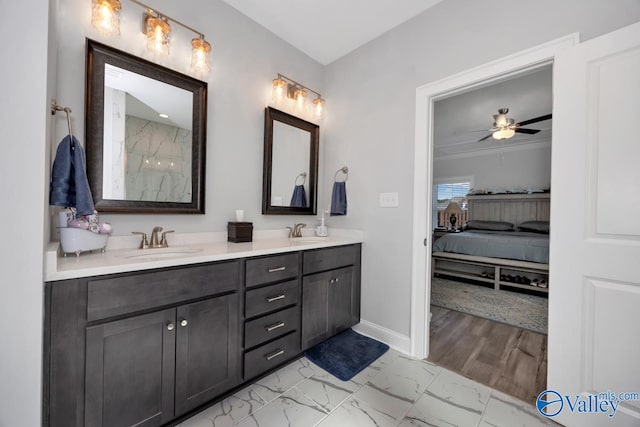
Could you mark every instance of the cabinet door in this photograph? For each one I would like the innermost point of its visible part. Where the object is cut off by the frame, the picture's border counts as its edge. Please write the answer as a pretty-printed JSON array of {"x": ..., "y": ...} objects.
[
  {"x": 130, "y": 371},
  {"x": 341, "y": 297},
  {"x": 315, "y": 309},
  {"x": 207, "y": 351},
  {"x": 329, "y": 305}
]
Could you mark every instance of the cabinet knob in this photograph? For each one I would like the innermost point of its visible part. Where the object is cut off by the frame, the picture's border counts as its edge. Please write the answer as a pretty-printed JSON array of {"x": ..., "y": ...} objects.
[
  {"x": 184, "y": 322},
  {"x": 170, "y": 326}
]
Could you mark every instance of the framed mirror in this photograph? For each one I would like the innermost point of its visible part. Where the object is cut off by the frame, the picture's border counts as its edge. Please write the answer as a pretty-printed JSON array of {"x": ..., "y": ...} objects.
[
  {"x": 145, "y": 134},
  {"x": 290, "y": 174}
]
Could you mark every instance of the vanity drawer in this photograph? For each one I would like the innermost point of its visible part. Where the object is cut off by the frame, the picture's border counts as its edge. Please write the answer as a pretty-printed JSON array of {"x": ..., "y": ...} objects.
[
  {"x": 272, "y": 326},
  {"x": 141, "y": 291},
  {"x": 271, "y": 269},
  {"x": 271, "y": 355},
  {"x": 330, "y": 258},
  {"x": 271, "y": 298}
]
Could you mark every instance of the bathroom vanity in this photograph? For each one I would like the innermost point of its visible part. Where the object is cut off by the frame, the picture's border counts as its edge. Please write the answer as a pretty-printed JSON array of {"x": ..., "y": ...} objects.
[{"x": 146, "y": 345}]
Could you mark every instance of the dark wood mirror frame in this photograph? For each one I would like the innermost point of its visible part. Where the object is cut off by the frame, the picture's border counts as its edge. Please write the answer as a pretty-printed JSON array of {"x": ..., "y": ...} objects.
[
  {"x": 271, "y": 114},
  {"x": 97, "y": 56}
]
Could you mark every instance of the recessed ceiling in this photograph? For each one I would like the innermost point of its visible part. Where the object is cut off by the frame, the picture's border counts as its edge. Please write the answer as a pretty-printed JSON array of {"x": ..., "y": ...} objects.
[
  {"x": 328, "y": 29},
  {"x": 460, "y": 121}
]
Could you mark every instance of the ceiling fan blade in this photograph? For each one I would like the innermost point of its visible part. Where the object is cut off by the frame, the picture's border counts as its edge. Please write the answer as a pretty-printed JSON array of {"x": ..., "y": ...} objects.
[
  {"x": 486, "y": 137},
  {"x": 529, "y": 131},
  {"x": 534, "y": 120}
]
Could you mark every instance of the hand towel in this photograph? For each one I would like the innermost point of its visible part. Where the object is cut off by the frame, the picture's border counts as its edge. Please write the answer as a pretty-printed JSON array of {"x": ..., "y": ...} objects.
[
  {"x": 339, "y": 199},
  {"x": 299, "y": 197},
  {"x": 69, "y": 186}
]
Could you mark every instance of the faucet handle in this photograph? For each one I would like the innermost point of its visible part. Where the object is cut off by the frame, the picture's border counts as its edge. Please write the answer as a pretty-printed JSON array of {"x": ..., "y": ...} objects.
[
  {"x": 163, "y": 241},
  {"x": 290, "y": 232},
  {"x": 144, "y": 242}
]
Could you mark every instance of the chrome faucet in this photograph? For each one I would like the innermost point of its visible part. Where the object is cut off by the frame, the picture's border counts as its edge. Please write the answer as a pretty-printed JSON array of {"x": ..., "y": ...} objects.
[
  {"x": 296, "y": 230},
  {"x": 145, "y": 244}
]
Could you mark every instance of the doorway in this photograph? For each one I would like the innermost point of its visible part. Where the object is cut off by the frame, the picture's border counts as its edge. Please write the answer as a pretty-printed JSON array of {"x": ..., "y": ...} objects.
[{"x": 488, "y": 74}]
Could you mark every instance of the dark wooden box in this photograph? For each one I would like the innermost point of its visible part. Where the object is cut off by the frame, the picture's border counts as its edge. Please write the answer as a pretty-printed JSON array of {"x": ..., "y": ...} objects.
[{"x": 238, "y": 232}]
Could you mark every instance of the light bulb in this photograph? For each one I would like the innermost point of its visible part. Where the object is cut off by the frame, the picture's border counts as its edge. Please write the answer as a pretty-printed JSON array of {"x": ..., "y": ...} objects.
[
  {"x": 200, "y": 58},
  {"x": 105, "y": 16},
  {"x": 318, "y": 105},
  {"x": 278, "y": 90}
]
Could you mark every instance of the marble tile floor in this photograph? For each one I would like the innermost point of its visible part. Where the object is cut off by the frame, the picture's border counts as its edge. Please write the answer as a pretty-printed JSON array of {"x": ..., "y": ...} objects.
[{"x": 395, "y": 390}]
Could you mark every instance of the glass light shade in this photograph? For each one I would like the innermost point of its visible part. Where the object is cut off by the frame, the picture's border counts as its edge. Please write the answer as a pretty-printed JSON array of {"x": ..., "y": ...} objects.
[
  {"x": 105, "y": 16},
  {"x": 300, "y": 98},
  {"x": 318, "y": 107},
  {"x": 200, "y": 56},
  {"x": 504, "y": 133},
  {"x": 158, "y": 33},
  {"x": 278, "y": 91}
]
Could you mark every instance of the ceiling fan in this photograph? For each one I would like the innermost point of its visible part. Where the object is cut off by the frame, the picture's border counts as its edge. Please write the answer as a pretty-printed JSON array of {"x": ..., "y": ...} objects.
[{"x": 505, "y": 128}]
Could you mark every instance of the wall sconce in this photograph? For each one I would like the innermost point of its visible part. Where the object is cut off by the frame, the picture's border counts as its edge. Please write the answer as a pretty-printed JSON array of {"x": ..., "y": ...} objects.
[
  {"x": 105, "y": 16},
  {"x": 106, "y": 19},
  {"x": 284, "y": 88}
]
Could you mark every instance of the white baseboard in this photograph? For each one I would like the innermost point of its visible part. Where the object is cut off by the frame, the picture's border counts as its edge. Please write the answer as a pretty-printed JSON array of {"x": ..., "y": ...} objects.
[{"x": 397, "y": 341}]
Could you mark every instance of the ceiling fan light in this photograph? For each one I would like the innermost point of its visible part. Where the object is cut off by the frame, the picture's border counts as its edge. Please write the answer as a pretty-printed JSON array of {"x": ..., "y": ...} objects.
[{"x": 504, "y": 133}]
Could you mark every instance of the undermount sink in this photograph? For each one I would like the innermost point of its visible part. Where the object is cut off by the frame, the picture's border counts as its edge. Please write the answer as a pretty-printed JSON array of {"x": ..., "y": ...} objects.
[
  {"x": 309, "y": 239},
  {"x": 159, "y": 253}
]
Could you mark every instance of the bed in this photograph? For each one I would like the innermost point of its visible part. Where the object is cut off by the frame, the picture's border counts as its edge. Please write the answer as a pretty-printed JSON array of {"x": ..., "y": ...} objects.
[{"x": 507, "y": 259}]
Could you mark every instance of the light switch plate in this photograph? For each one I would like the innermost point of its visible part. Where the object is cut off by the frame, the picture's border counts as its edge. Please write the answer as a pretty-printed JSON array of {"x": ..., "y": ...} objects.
[{"x": 389, "y": 200}]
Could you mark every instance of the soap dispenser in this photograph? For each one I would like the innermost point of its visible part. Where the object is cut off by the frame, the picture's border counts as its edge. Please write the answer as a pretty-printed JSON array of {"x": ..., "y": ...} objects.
[{"x": 321, "y": 230}]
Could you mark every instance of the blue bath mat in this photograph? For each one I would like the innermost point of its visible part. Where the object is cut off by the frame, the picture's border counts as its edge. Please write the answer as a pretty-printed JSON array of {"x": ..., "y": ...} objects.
[{"x": 346, "y": 354}]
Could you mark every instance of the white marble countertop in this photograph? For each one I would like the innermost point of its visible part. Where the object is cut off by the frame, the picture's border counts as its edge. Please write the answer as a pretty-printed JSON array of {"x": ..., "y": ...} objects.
[{"x": 122, "y": 254}]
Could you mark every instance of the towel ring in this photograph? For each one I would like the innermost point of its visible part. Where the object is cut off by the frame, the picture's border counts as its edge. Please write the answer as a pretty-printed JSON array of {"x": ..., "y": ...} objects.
[
  {"x": 304, "y": 178},
  {"x": 345, "y": 171}
]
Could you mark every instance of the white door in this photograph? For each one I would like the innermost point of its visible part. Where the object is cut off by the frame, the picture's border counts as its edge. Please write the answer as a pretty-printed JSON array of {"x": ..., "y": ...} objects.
[{"x": 594, "y": 306}]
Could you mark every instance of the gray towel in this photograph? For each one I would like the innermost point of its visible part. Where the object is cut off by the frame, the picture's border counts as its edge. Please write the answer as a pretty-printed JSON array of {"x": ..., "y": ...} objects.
[
  {"x": 299, "y": 197},
  {"x": 69, "y": 186},
  {"x": 339, "y": 199}
]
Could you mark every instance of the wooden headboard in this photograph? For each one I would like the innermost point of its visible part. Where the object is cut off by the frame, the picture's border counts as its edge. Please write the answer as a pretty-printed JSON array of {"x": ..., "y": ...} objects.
[{"x": 513, "y": 208}]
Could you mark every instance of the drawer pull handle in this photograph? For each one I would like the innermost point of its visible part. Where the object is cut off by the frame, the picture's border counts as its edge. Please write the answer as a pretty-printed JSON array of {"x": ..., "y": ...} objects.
[
  {"x": 274, "y": 355},
  {"x": 276, "y": 298},
  {"x": 274, "y": 326},
  {"x": 275, "y": 270}
]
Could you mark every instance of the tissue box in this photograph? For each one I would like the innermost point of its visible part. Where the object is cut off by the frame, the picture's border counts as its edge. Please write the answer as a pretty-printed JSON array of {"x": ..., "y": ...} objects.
[{"x": 238, "y": 232}]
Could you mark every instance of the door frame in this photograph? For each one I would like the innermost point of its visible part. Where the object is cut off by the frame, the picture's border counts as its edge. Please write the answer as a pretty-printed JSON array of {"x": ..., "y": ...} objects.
[{"x": 525, "y": 61}]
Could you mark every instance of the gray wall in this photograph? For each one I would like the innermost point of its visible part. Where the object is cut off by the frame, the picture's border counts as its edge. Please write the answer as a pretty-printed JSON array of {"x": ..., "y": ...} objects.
[
  {"x": 26, "y": 77},
  {"x": 371, "y": 106},
  {"x": 245, "y": 59},
  {"x": 508, "y": 169}
]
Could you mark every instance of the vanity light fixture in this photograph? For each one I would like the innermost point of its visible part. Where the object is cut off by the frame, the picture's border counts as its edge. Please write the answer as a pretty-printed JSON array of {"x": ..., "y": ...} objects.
[
  {"x": 156, "y": 26},
  {"x": 284, "y": 88},
  {"x": 105, "y": 16}
]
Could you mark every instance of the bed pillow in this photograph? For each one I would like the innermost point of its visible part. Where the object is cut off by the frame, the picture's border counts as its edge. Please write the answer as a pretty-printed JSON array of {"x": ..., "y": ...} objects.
[
  {"x": 535, "y": 226},
  {"x": 476, "y": 224}
]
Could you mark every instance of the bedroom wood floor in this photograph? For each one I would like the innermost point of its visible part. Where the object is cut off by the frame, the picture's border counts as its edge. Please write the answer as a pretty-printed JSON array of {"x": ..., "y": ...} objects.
[{"x": 504, "y": 357}]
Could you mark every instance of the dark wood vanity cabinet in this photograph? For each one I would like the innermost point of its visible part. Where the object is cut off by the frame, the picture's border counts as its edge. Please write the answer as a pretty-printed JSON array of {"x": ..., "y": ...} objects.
[
  {"x": 272, "y": 312},
  {"x": 141, "y": 349},
  {"x": 330, "y": 293},
  {"x": 149, "y": 369},
  {"x": 145, "y": 348}
]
